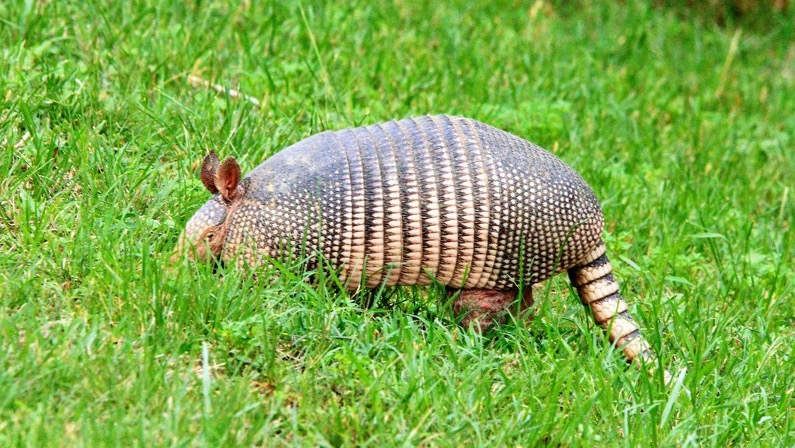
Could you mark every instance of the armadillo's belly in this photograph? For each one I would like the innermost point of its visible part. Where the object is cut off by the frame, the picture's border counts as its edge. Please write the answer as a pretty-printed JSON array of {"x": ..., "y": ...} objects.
[{"x": 407, "y": 202}]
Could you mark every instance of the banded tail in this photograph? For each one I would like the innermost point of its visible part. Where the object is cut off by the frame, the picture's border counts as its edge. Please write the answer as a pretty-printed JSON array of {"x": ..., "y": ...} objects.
[{"x": 593, "y": 278}]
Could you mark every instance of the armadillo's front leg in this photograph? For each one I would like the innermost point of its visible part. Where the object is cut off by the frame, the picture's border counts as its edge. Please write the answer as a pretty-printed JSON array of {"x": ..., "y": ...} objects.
[
  {"x": 485, "y": 307},
  {"x": 594, "y": 281}
]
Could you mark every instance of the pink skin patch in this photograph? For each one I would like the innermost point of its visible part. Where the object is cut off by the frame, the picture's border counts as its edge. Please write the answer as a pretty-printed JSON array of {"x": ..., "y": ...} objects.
[{"x": 485, "y": 307}]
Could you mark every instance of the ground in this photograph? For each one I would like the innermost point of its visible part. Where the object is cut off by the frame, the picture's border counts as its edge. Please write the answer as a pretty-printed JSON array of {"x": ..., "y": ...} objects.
[{"x": 683, "y": 126}]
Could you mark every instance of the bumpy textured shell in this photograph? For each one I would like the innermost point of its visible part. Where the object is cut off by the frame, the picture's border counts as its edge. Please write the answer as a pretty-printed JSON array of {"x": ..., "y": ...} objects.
[{"x": 436, "y": 196}]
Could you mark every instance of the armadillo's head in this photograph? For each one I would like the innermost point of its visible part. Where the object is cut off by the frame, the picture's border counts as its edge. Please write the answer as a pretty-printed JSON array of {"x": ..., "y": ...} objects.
[{"x": 205, "y": 232}]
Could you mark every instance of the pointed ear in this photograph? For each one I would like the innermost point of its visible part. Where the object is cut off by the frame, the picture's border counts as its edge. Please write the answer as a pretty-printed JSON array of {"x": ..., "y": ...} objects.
[
  {"x": 227, "y": 178},
  {"x": 209, "y": 169}
]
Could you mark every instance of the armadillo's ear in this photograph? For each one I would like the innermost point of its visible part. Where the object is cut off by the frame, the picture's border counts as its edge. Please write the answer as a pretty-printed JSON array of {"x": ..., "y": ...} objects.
[
  {"x": 209, "y": 169},
  {"x": 227, "y": 178}
]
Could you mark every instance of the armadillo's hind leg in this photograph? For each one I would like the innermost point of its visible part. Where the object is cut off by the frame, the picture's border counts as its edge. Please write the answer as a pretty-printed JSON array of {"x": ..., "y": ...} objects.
[
  {"x": 593, "y": 278},
  {"x": 485, "y": 307}
]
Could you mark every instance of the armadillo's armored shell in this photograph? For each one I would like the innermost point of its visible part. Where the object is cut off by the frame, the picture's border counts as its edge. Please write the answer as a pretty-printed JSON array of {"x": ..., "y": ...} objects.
[{"x": 443, "y": 197}]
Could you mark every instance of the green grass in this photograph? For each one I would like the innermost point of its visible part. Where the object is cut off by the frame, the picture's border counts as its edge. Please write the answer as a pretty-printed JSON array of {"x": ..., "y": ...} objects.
[{"x": 684, "y": 128}]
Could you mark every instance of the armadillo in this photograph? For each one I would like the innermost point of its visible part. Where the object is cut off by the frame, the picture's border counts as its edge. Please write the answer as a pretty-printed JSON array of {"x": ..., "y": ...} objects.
[{"x": 433, "y": 199}]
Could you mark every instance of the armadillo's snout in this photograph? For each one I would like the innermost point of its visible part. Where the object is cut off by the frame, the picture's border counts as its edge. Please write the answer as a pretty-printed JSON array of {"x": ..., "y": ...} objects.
[{"x": 204, "y": 232}]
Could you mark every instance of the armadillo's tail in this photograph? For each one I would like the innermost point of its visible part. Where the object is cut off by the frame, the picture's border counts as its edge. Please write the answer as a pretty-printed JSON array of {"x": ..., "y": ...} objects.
[{"x": 593, "y": 278}]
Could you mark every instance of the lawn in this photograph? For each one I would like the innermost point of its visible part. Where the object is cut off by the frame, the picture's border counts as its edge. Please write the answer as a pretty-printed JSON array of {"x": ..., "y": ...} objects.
[{"x": 684, "y": 126}]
